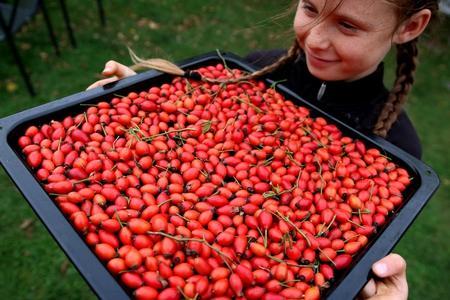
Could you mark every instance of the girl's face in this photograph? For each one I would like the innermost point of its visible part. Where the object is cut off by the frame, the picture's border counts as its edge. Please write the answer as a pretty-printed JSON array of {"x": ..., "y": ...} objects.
[{"x": 344, "y": 40}]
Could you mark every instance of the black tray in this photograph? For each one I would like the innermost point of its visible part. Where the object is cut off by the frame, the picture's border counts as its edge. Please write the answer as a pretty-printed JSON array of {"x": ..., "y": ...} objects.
[{"x": 348, "y": 284}]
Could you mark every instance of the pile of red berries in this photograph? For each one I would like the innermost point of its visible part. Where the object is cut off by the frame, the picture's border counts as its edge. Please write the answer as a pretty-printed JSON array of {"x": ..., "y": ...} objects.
[{"x": 214, "y": 190}]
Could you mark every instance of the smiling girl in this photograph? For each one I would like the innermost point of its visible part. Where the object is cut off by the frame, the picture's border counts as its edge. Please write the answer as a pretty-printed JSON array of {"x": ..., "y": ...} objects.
[{"x": 336, "y": 63}]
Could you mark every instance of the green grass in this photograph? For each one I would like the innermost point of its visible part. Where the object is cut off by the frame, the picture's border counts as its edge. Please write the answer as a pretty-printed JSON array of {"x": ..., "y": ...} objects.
[{"x": 33, "y": 266}]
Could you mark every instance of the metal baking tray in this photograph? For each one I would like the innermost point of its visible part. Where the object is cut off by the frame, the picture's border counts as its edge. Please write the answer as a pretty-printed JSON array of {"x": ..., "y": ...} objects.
[{"x": 347, "y": 284}]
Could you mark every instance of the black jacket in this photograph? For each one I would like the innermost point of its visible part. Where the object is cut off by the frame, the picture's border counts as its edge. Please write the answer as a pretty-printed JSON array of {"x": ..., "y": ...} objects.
[{"x": 357, "y": 103}]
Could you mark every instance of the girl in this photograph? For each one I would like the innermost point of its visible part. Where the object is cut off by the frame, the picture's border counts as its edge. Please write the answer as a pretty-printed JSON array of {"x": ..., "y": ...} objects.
[{"x": 335, "y": 62}]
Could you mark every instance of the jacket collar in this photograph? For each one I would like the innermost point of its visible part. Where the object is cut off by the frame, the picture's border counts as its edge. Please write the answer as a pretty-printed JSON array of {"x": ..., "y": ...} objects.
[{"x": 357, "y": 93}]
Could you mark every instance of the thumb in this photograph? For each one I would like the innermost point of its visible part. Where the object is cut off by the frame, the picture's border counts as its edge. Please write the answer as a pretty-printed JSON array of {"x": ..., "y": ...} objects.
[
  {"x": 392, "y": 283},
  {"x": 114, "y": 68},
  {"x": 110, "y": 68},
  {"x": 391, "y": 265}
]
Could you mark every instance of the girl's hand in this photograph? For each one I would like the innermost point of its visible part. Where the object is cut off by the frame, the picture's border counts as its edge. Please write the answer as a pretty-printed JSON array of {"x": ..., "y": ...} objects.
[
  {"x": 391, "y": 283},
  {"x": 114, "y": 71}
]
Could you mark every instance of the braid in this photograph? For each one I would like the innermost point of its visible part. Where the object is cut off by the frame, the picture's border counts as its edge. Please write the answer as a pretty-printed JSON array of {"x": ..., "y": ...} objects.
[
  {"x": 291, "y": 55},
  {"x": 406, "y": 67},
  {"x": 170, "y": 68}
]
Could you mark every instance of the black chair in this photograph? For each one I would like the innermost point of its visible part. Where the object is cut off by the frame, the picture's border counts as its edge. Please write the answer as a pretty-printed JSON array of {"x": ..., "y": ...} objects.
[
  {"x": 68, "y": 24},
  {"x": 12, "y": 17}
]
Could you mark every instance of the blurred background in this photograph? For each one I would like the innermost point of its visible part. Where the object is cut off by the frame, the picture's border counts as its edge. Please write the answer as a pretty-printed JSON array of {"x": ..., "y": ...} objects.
[{"x": 32, "y": 266}]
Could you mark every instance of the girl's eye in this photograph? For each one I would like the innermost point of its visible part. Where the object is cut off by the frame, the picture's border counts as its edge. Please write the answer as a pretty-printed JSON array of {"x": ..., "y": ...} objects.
[
  {"x": 348, "y": 26},
  {"x": 309, "y": 8}
]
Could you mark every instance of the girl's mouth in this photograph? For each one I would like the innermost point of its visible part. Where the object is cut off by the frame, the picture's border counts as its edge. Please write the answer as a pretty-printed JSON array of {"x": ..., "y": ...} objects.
[{"x": 318, "y": 61}]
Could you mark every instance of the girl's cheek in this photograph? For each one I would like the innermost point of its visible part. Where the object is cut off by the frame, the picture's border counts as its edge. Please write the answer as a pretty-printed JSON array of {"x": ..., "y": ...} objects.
[
  {"x": 301, "y": 37},
  {"x": 300, "y": 23},
  {"x": 302, "y": 26},
  {"x": 299, "y": 27}
]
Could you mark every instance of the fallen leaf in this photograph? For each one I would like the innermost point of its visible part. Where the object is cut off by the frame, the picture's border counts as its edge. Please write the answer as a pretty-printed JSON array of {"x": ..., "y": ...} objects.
[
  {"x": 445, "y": 181},
  {"x": 25, "y": 46},
  {"x": 27, "y": 223},
  {"x": 11, "y": 86},
  {"x": 64, "y": 267},
  {"x": 27, "y": 226},
  {"x": 149, "y": 23},
  {"x": 44, "y": 56},
  {"x": 153, "y": 25},
  {"x": 120, "y": 36},
  {"x": 142, "y": 22}
]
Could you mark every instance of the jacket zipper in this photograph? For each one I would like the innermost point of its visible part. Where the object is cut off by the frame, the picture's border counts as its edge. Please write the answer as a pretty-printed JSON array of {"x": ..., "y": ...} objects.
[{"x": 321, "y": 91}]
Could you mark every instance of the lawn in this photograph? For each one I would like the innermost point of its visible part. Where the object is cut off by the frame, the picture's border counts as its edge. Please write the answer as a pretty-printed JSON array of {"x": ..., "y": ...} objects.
[{"x": 34, "y": 267}]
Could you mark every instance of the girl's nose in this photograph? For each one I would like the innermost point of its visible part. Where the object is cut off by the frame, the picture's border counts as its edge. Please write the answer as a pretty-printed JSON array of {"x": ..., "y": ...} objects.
[{"x": 317, "y": 38}]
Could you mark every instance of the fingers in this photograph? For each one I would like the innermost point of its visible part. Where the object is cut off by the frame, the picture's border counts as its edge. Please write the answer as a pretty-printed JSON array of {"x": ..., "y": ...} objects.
[
  {"x": 114, "y": 71},
  {"x": 102, "y": 82},
  {"x": 391, "y": 273},
  {"x": 369, "y": 290},
  {"x": 114, "y": 68},
  {"x": 391, "y": 265},
  {"x": 391, "y": 282}
]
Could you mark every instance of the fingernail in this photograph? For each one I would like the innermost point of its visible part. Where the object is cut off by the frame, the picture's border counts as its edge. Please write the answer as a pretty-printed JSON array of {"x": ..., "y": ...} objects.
[
  {"x": 107, "y": 69},
  {"x": 380, "y": 268}
]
